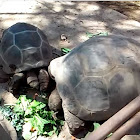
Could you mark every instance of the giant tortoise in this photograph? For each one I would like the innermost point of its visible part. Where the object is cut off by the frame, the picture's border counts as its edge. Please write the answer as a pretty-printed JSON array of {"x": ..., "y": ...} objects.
[
  {"x": 97, "y": 78},
  {"x": 25, "y": 48}
]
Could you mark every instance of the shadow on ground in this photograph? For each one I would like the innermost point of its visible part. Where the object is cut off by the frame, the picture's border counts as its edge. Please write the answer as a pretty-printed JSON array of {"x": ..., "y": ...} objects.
[
  {"x": 74, "y": 19},
  {"x": 129, "y": 8}
]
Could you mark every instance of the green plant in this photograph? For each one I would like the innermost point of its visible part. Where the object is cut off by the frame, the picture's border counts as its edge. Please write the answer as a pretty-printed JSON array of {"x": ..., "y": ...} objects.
[
  {"x": 35, "y": 113},
  {"x": 65, "y": 50},
  {"x": 14, "y": 118},
  {"x": 89, "y": 35},
  {"x": 96, "y": 125}
]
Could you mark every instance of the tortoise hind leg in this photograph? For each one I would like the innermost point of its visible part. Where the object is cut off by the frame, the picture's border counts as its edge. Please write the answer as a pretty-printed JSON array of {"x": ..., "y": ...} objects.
[{"x": 74, "y": 123}]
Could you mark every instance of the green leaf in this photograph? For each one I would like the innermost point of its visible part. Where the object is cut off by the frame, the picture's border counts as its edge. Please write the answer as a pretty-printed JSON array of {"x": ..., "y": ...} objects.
[
  {"x": 61, "y": 122},
  {"x": 89, "y": 35},
  {"x": 29, "y": 111},
  {"x": 50, "y": 114},
  {"x": 34, "y": 104},
  {"x": 51, "y": 133},
  {"x": 96, "y": 125},
  {"x": 38, "y": 123},
  {"x": 24, "y": 101},
  {"x": 27, "y": 136},
  {"x": 34, "y": 107},
  {"x": 43, "y": 113},
  {"x": 34, "y": 113},
  {"x": 41, "y": 106},
  {"x": 110, "y": 135},
  {"x": 103, "y": 34},
  {"x": 21, "y": 104},
  {"x": 54, "y": 128},
  {"x": 37, "y": 105},
  {"x": 65, "y": 50},
  {"x": 57, "y": 132},
  {"x": 19, "y": 127},
  {"x": 18, "y": 109}
]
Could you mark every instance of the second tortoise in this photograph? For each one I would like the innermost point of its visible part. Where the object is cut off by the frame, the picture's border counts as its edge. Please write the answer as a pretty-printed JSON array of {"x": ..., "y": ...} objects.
[
  {"x": 97, "y": 78},
  {"x": 23, "y": 49}
]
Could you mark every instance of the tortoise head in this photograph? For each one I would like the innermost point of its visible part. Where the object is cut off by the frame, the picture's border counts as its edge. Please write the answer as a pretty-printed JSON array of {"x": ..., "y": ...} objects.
[
  {"x": 54, "y": 68},
  {"x": 51, "y": 69}
]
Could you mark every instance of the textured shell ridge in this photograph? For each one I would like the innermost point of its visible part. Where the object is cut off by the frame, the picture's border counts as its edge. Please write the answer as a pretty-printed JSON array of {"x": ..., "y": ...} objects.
[
  {"x": 24, "y": 42},
  {"x": 104, "y": 83}
]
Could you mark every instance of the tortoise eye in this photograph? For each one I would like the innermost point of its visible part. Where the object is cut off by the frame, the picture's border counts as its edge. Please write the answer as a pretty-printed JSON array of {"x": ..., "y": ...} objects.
[
  {"x": 1, "y": 66},
  {"x": 12, "y": 67}
]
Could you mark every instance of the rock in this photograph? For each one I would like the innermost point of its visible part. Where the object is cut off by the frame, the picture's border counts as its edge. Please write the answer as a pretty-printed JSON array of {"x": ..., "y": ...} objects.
[
  {"x": 7, "y": 97},
  {"x": 7, "y": 131}
]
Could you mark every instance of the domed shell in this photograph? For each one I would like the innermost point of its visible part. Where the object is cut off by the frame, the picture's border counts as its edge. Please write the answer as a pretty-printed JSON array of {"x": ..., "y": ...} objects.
[
  {"x": 23, "y": 47},
  {"x": 96, "y": 78}
]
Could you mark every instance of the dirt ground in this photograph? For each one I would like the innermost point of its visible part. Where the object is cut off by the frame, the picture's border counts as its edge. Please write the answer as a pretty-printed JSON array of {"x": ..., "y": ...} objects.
[
  {"x": 130, "y": 8},
  {"x": 69, "y": 18},
  {"x": 74, "y": 20}
]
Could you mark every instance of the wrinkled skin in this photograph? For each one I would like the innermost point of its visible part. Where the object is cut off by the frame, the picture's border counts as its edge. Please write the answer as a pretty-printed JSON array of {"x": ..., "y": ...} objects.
[{"x": 55, "y": 102}]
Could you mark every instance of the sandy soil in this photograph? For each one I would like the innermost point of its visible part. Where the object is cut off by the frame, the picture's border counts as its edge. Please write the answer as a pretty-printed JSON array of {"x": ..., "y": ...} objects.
[
  {"x": 74, "y": 20},
  {"x": 130, "y": 8}
]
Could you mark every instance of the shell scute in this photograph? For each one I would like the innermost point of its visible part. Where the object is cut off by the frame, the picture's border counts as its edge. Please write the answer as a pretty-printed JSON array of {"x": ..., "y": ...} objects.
[
  {"x": 24, "y": 46},
  {"x": 27, "y": 39},
  {"x": 20, "y": 27},
  {"x": 6, "y": 44}
]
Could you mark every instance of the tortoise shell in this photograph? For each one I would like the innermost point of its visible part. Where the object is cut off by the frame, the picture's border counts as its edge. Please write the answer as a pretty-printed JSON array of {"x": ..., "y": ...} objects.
[
  {"x": 23, "y": 47},
  {"x": 98, "y": 77}
]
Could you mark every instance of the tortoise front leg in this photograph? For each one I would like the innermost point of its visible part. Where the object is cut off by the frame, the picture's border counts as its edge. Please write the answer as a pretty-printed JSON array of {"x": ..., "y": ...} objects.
[
  {"x": 32, "y": 79},
  {"x": 55, "y": 102},
  {"x": 75, "y": 124},
  {"x": 43, "y": 78}
]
